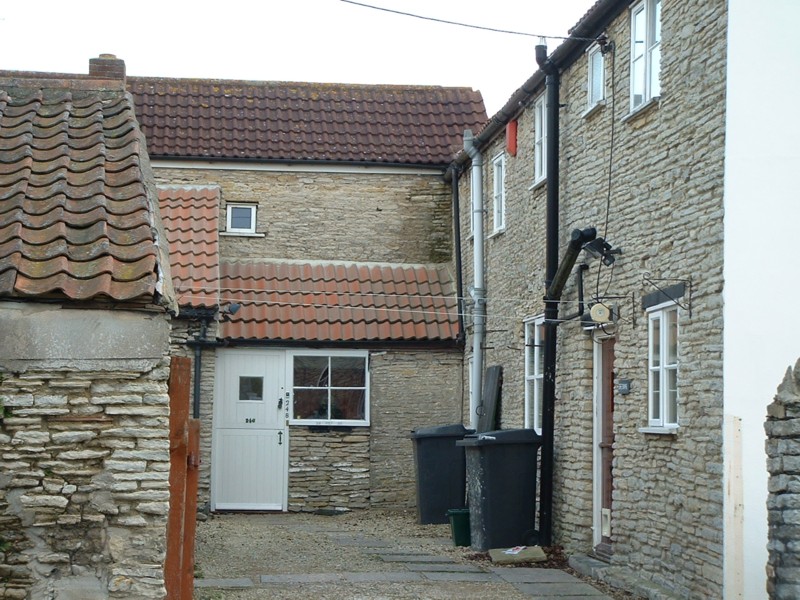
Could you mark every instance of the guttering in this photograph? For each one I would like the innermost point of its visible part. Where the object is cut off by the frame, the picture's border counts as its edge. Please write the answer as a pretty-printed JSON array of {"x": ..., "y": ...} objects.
[{"x": 479, "y": 285}]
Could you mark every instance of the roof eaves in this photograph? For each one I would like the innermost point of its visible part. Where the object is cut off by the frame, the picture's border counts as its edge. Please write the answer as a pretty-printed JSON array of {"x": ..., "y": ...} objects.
[{"x": 591, "y": 25}]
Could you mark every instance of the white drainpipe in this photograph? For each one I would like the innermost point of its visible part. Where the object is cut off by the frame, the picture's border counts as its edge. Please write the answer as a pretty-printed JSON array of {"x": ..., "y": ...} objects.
[{"x": 478, "y": 290}]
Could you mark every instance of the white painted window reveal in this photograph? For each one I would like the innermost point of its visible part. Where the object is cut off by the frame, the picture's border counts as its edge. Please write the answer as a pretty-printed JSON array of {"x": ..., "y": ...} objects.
[
  {"x": 663, "y": 366},
  {"x": 539, "y": 139},
  {"x": 596, "y": 92},
  {"x": 534, "y": 372},
  {"x": 499, "y": 179},
  {"x": 329, "y": 387},
  {"x": 645, "y": 52}
]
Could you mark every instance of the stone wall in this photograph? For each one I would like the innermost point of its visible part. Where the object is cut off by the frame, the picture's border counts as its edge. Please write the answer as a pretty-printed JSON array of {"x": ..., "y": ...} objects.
[
  {"x": 665, "y": 213},
  {"x": 84, "y": 489},
  {"x": 366, "y": 216},
  {"x": 783, "y": 504}
]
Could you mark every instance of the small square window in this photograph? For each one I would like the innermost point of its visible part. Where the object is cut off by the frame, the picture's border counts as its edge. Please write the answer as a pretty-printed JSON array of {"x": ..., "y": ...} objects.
[{"x": 241, "y": 218}]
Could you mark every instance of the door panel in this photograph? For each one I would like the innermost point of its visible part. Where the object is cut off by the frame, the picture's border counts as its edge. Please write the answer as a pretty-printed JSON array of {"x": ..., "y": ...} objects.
[
  {"x": 249, "y": 462},
  {"x": 604, "y": 446}
]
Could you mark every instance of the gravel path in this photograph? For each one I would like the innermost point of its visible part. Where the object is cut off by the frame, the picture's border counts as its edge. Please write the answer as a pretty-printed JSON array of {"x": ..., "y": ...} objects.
[{"x": 361, "y": 555}]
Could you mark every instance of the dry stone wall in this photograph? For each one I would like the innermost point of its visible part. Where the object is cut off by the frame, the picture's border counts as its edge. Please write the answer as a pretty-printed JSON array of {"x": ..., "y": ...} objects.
[
  {"x": 783, "y": 503},
  {"x": 663, "y": 209},
  {"x": 84, "y": 488}
]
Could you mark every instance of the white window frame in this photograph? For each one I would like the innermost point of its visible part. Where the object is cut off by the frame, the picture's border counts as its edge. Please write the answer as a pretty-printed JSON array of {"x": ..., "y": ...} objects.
[
  {"x": 499, "y": 193},
  {"x": 534, "y": 372},
  {"x": 645, "y": 76},
  {"x": 663, "y": 400},
  {"x": 539, "y": 139},
  {"x": 595, "y": 66},
  {"x": 330, "y": 354},
  {"x": 229, "y": 207}
]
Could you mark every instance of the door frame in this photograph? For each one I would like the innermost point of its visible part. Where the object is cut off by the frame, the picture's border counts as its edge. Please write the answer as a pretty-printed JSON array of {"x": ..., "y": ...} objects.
[
  {"x": 599, "y": 338},
  {"x": 221, "y": 357}
]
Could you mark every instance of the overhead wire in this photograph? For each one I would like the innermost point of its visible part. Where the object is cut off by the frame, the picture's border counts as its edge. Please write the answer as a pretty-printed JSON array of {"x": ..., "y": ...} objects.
[{"x": 459, "y": 24}]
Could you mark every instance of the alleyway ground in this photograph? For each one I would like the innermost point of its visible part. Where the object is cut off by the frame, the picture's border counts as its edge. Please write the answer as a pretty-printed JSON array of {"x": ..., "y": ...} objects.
[{"x": 361, "y": 555}]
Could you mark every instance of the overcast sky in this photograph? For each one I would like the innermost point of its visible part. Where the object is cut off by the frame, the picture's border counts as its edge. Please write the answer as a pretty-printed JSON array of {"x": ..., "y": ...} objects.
[{"x": 291, "y": 40}]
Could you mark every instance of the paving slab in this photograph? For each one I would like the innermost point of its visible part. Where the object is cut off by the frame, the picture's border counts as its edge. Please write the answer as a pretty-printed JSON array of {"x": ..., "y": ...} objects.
[
  {"x": 532, "y": 575},
  {"x": 415, "y": 558},
  {"x": 360, "y": 541},
  {"x": 239, "y": 583},
  {"x": 443, "y": 568},
  {"x": 389, "y": 551},
  {"x": 466, "y": 577},
  {"x": 301, "y": 578},
  {"x": 547, "y": 591},
  {"x": 382, "y": 577}
]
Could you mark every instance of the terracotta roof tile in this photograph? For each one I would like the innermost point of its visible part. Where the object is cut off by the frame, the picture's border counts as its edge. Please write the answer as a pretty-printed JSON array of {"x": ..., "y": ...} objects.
[
  {"x": 198, "y": 118},
  {"x": 78, "y": 216},
  {"x": 191, "y": 223},
  {"x": 338, "y": 302}
]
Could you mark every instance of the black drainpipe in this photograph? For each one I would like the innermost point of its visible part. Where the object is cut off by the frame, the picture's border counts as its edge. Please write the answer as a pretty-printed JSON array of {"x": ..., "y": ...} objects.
[
  {"x": 198, "y": 366},
  {"x": 457, "y": 243},
  {"x": 551, "y": 304}
]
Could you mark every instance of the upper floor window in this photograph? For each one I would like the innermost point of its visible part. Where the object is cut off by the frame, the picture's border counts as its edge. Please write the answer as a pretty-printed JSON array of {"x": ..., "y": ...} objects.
[
  {"x": 329, "y": 388},
  {"x": 645, "y": 52},
  {"x": 499, "y": 194},
  {"x": 241, "y": 218},
  {"x": 539, "y": 139},
  {"x": 596, "y": 84},
  {"x": 534, "y": 372},
  {"x": 662, "y": 366}
]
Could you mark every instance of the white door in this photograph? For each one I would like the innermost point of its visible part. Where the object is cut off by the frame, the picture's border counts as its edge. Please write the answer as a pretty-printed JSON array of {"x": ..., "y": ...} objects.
[{"x": 249, "y": 459}]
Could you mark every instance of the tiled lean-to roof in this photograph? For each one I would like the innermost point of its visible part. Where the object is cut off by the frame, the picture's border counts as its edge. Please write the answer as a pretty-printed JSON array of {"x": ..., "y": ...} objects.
[
  {"x": 339, "y": 302},
  {"x": 78, "y": 212},
  {"x": 280, "y": 121},
  {"x": 191, "y": 221}
]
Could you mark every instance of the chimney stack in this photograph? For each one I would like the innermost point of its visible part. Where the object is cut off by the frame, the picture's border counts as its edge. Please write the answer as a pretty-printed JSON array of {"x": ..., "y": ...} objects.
[{"x": 107, "y": 66}]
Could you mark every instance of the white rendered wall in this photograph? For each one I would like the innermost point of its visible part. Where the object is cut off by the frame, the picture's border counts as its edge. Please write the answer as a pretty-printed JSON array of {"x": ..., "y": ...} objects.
[{"x": 762, "y": 261}]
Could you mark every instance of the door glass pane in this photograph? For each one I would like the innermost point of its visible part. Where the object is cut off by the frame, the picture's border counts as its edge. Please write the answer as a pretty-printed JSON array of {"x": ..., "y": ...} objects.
[
  {"x": 347, "y": 404},
  {"x": 348, "y": 371},
  {"x": 310, "y": 404},
  {"x": 310, "y": 371},
  {"x": 251, "y": 388}
]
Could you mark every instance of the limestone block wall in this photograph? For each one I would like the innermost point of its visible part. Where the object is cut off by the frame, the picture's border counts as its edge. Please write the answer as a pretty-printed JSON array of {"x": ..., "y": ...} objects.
[
  {"x": 783, "y": 462},
  {"x": 365, "y": 216},
  {"x": 328, "y": 470},
  {"x": 410, "y": 389},
  {"x": 660, "y": 201},
  {"x": 183, "y": 331},
  {"x": 84, "y": 486}
]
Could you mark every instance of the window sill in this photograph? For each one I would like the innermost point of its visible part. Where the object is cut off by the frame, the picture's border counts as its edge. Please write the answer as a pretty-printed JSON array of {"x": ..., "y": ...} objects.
[
  {"x": 644, "y": 108},
  {"x": 497, "y": 233},
  {"x": 241, "y": 234},
  {"x": 323, "y": 423},
  {"x": 538, "y": 184},
  {"x": 595, "y": 108},
  {"x": 673, "y": 431}
]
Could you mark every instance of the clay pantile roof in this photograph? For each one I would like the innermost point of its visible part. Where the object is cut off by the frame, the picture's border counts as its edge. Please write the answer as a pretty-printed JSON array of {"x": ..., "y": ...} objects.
[
  {"x": 78, "y": 213},
  {"x": 191, "y": 221},
  {"x": 280, "y": 121},
  {"x": 339, "y": 302}
]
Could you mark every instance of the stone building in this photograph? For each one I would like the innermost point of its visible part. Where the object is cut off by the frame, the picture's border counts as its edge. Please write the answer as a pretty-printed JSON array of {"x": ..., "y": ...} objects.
[
  {"x": 85, "y": 297},
  {"x": 332, "y": 330},
  {"x": 658, "y": 467}
]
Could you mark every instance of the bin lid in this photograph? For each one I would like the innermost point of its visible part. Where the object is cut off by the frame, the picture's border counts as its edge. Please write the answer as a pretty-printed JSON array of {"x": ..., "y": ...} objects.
[
  {"x": 502, "y": 436},
  {"x": 455, "y": 430}
]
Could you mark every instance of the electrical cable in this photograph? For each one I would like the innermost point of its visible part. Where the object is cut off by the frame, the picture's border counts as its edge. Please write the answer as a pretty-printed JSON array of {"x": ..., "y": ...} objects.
[{"x": 481, "y": 27}]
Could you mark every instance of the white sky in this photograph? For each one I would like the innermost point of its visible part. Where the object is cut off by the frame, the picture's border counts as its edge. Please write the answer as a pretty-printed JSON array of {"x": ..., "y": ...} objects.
[{"x": 291, "y": 40}]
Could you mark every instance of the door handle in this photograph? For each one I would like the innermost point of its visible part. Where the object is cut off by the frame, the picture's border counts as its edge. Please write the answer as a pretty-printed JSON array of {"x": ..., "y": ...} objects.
[{"x": 280, "y": 438}]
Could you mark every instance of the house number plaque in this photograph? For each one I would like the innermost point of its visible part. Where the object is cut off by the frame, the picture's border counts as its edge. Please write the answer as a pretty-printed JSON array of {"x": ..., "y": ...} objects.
[{"x": 249, "y": 420}]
